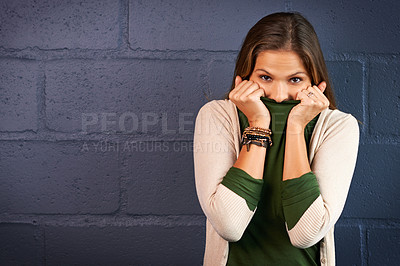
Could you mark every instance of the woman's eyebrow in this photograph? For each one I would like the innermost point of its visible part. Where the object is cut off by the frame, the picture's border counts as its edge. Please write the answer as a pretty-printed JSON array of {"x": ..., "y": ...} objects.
[
  {"x": 263, "y": 70},
  {"x": 291, "y": 75},
  {"x": 299, "y": 72}
]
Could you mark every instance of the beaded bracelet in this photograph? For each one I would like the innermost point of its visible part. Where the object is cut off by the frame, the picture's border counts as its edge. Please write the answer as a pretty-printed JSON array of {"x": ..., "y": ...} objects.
[
  {"x": 258, "y": 136},
  {"x": 259, "y": 130},
  {"x": 247, "y": 142}
]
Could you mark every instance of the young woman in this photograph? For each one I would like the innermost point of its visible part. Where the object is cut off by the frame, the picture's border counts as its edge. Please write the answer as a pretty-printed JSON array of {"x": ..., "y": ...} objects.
[{"x": 274, "y": 161}]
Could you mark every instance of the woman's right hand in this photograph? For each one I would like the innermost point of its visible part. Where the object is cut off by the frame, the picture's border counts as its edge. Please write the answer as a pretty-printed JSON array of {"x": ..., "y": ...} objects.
[{"x": 246, "y": 96}]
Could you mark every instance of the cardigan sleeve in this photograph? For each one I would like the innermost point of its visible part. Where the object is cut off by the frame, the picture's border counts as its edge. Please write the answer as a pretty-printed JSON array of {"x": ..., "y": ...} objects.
[
  {"x": 214, "y": 154},
  {"x": 297, "y": 196},
  {"x": 240, "y": 182},
  {"x": 333, "y": 165}
]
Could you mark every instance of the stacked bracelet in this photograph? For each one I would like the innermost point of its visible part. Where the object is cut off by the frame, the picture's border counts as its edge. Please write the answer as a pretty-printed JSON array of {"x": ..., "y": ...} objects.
[{"x": 258, "y": 136}]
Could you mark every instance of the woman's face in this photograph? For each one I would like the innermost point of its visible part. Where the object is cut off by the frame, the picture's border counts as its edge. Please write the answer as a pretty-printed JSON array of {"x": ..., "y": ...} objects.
[{"x": 280, "y": 74}]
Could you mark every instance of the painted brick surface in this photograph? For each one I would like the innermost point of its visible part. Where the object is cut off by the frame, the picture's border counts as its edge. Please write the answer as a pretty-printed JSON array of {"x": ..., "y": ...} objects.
[
  {"x": 348, "y": 245},
  {"x": 209, "y": 25},
  {"x": 133, "y": 245},
  {"x": 59, "y": 24},
  {"x": 221, "y": 74},
  {"x": 97, "y": 107},
  {"x": 126, "y": 96},
  {"x": 384, "y": 95},
  {"x": 347, "y": 80},
  {"x": 357, "y": 26},
  {"x": 160, "y": 178},
  {"x": 18, "y": 89},
  {"x": 375, "y": 183},
  {"x": 383, "y": 244},
  {"x": 57, "y": 178},
  {"x": 20, "y": 245}
]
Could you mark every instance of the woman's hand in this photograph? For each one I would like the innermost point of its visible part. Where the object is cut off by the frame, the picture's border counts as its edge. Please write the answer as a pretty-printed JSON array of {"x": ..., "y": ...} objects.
[
  {"x": 313, "y": 101},
  {"x": 246, "y": 96}
]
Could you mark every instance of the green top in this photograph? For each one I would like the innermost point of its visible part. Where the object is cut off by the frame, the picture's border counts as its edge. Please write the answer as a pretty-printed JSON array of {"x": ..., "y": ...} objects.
[{"x": 265, "y": 240}]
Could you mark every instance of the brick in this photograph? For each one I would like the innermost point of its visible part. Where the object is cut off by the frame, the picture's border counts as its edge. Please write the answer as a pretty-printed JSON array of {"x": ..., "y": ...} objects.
[
  {"x": 383, "y": 244},
  {"x": 220, "y": 78},
  {"x": 18, "y": 88},
  {"x": 125, "y": 245},
  {"x": 20, "y": 245},
  {"x": 183, "y": 25},
  {"x": 384, "y": 98},
  {"x": 347, "y": 80},
  {"x": 157, "y": 93},
  {"x": 374, "y": 189},
  {"x": 348, "y": 245},
  {"x": 59, "y": 24},
  {"x": 160, "y": 178},
  {"x": 57, "y": 178},
  {"x": 356, "y": 26}
]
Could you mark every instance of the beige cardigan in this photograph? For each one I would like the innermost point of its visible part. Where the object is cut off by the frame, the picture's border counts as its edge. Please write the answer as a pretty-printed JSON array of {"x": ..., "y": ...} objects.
[{"x": 332, "y": 154}]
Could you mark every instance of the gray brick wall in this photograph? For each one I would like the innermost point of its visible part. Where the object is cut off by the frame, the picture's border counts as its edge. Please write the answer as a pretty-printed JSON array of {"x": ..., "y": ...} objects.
[{"x": 97, "y": 104}]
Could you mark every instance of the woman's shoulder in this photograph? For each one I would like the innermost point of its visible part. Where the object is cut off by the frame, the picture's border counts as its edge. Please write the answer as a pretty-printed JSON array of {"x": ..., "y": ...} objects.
[
  {"x": 219, "y": 107},
  {"x": 221, "y": 115},
  {"x": 333, "y": 128},
  {"x": 338, "y": 119}
]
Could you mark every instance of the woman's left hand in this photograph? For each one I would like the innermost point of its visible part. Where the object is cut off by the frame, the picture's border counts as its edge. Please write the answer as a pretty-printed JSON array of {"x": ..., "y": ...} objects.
[{"x": 313, "y": 101}]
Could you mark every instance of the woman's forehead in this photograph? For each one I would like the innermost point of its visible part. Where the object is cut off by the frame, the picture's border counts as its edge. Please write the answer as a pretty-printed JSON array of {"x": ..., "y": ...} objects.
[{"x": 279, "y": 61}]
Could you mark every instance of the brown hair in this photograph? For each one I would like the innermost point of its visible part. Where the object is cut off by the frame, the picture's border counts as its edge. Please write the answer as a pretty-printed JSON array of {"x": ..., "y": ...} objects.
[{"x": 290, "y": 32}]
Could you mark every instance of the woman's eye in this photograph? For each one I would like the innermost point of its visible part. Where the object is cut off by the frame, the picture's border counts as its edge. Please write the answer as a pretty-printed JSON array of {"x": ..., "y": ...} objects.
[
  {"x": 265, "y": 77},
  {"x": 295, "y": 80}
]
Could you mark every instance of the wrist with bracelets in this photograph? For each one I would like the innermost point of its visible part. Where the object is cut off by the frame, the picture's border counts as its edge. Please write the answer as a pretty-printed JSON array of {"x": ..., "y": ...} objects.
[{"x": 258, "y": 136}]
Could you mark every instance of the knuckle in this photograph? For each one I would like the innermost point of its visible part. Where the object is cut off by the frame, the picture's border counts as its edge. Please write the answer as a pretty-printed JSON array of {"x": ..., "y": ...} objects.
[{"x": 252, "y": 98}]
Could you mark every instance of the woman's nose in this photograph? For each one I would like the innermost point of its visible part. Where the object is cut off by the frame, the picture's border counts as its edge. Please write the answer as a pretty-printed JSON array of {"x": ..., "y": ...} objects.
[{"x": 279, "y": 93}]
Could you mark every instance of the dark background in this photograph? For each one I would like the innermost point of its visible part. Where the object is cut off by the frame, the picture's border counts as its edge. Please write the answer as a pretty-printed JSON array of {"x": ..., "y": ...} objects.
[{"x": 81, "y": 185}]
